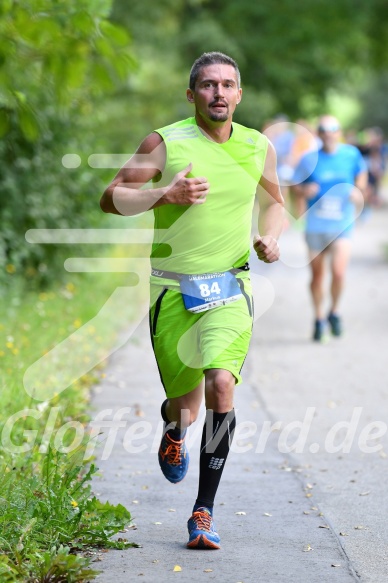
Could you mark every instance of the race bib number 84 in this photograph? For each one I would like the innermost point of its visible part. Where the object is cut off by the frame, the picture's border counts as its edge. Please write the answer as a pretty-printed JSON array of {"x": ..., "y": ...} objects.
[{"x": 209, "y": 290}]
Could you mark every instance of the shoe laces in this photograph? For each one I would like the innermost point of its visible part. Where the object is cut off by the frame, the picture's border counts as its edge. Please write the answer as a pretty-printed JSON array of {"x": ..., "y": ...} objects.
[
  {"x": 203, "y": 520},
  {"x": 173, "y": 451}
]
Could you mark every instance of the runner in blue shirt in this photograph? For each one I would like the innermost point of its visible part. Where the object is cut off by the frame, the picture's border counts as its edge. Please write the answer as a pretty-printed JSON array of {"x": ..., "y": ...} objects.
[{"x": 332, "y": 182}]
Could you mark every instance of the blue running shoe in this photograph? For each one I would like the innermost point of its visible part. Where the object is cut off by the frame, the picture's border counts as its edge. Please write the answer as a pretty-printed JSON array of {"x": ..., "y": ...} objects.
[
  {"x": 335, "y": 324},
  {"x": 319, "y": 328},
  {"x": 173, "y": 458},
  {"x": 202, "y": 534}
]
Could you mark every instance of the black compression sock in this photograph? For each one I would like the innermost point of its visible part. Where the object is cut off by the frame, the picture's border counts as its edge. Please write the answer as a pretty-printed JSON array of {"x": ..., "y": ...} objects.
[
  {"x": 217, "y": 437},
  {"x": 171, "y": 427}
]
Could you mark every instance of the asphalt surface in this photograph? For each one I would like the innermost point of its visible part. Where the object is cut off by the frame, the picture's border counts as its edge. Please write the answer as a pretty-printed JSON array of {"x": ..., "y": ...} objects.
[{"x": 303, "y": 494}]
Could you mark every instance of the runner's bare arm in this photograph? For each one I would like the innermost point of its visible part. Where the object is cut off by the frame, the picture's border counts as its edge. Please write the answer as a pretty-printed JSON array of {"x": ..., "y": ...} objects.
[
  {"x": 271, "y": 215},
  {"x": 125, "y": 195},
  {"x": 306, "y": 190},
  {"x": 359, "y": 191}
]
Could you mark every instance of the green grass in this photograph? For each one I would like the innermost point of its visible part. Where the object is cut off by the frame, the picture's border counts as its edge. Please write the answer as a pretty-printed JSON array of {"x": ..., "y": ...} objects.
[{"x": 48, "y": 514}]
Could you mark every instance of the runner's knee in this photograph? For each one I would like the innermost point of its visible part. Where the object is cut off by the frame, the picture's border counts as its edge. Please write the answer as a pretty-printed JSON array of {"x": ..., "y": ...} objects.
[
  {"x": 316, "y": 280},
  {"x": 219, "y": 388},
  {"x": 185, "y": 408},
  {"x": 338, "y": 276}
]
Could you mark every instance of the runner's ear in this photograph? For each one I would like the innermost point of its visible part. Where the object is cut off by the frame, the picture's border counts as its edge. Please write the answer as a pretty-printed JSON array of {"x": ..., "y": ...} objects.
[{"x": 190, "y": 96}]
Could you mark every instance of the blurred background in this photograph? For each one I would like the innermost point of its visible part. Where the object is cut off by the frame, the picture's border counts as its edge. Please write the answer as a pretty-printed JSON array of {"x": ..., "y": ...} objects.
[{"x": 95, "y": 76}]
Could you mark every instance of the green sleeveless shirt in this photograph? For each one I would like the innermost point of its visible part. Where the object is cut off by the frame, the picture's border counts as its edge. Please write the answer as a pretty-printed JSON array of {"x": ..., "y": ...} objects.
[{"x": 214, "y": 236}]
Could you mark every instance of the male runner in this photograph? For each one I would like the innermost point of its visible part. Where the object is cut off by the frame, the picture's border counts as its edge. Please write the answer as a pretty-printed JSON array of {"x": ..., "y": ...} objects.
[
  {"x": 206, "y": 170},
  {"x": 328, "y": 184}
]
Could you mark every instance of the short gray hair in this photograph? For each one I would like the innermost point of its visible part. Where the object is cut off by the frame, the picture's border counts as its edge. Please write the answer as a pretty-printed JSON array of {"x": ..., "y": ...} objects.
[{"x": 213, "y": 58}]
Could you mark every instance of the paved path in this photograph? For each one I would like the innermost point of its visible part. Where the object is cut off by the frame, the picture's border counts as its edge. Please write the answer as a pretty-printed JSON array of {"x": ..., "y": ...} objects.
[{"x": 318, "y": 514}]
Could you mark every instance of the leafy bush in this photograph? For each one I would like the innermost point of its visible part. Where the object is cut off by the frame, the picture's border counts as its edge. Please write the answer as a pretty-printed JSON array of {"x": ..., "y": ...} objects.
[
  {"x": 54, "y": 511},
  {"x": 57, "y": 61}
]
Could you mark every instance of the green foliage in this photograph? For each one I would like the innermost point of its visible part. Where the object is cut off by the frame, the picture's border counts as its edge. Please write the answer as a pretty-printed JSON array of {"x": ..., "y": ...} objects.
[
  {"x": 54, "y": 510},
  {"x": 38, "y": 192},
  {"x": 47, "y": 509},
  {"x": 372, "y": 94},
  {"x": 57, "y": 61},
  {"x": 60, "y": 566},
  {"x": 63, "y": 53},
  {"x": 281, "y": 50},
  {"x": 377, "y": 30},
  {"x": 290, "y": 55}
]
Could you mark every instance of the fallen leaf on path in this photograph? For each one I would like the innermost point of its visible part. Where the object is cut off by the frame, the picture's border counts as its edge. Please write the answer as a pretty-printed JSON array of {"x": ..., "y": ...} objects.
[
  {"x": 241, "y": 513},
  {"x": 208, "y": 570},
  {"x": 267, "y": 514},
  {"x": 157, "y": 523},
  {"x": 306, "y": 512},
  {"x": 177, "y": 568},
  {"x": 171, "y": 510},
  {"x": 364, "y": 493},
  {"x": 324, "y": 526},
  {"x": 307, "y": 548},
  {"x": 359, "y": 527},
  {"x": 344, "y": 534},
  {"x": 335, "y": 565}
]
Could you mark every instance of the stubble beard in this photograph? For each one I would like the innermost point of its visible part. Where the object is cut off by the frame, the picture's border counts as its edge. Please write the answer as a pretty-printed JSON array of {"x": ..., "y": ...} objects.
[{"x": 221, "y": 116}]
